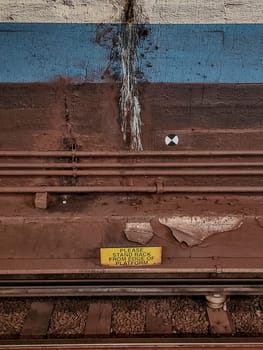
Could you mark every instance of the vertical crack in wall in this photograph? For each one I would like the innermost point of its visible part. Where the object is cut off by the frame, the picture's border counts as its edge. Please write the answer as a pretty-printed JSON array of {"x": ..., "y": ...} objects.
[
  {"x": 130, "y": 109},
  {"x": 69, "y": 127},
  {"x": 69, "y": 141}
]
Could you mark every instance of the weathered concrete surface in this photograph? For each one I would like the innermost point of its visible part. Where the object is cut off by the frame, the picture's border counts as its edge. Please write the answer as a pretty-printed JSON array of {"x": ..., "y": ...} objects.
[
  {"x": 203, "y": 11},
  {"x": 62, "y": 11},
  {"x": 111, "y": 11},
  {"x": 204, "y": 116},
  {"x": 68, "y": 238}
]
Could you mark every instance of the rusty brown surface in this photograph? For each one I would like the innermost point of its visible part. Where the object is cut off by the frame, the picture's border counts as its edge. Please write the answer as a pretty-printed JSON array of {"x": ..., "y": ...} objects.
[
  {"x": 95, "y": 172},
  {"x": 67, "y": 236},
  {"x": 205, "y": 116},
  {"x": 67, "y": 118},
  {"x": 60, "y": 116}
]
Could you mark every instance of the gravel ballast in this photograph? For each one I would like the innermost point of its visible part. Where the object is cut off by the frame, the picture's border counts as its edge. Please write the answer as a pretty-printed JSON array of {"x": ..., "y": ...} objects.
[
  {"x": 247, "y": 314},
  {"x": 186, "y": 315},
  {"x": 12, "y": 316}
]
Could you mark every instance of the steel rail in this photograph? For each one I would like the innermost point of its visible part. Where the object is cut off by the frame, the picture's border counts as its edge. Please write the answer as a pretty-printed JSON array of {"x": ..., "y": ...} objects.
[
  {"x": 135, "y": 343},
  {"x": 127, "y": 290},
  {"x": 103, "y": 165},
  {"x": 145, "y": 172},
  {"x": 132, "y": 189},
  {"x": 129, "y": 286},
  {"x": 131, "y": 153}
]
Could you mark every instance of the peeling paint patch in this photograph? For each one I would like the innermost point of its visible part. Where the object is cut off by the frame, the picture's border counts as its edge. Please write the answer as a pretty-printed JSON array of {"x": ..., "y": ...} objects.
[
  {"x": 139, "y": 232},
  {"x": 259, "y": 221},
  {"x": 108, "y": 36},
  {"x": 193, "y": 230}
]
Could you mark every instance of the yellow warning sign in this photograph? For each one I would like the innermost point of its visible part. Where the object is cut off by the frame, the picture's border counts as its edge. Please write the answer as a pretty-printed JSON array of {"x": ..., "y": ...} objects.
[{"x": 134, "y": 256}]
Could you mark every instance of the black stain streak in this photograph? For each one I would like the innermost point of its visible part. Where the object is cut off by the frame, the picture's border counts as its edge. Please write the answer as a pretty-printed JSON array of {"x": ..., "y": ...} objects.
[
  {"x": 142, "y": 32},
  {"x": 103, "y": 34},
  {"x": 13, "y": 31},
  {"x": 233, "y": 5},
  {"x": 108, "y": 35},
  {"x": 129, "y": 12},
  {"x": 139, "y": 75},
  {"x": 68, "y": 3}
]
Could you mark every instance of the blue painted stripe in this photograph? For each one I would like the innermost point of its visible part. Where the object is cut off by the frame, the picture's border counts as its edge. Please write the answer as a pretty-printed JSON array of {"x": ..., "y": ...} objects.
[
  {"x": 204, "y": 53},
  {"x": 42, "y": 52},
  {"x": 168, "y": 53}
]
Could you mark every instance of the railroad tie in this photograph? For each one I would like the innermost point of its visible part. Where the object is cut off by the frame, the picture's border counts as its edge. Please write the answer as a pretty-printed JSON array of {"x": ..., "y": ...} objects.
[
  {"x": 220, "y": 321},
  {"x": 99, "y": 319},
  {"x": 37, "y": 321},
  {"x": 156, "y": 325}
]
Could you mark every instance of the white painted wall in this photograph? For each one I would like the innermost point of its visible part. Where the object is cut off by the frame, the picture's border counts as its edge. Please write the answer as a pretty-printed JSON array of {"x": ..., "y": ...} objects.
[
  {"x": 62, "y": 11},
  {"x": 153, "y": 11},
  {"x": 203, "y": 11}
]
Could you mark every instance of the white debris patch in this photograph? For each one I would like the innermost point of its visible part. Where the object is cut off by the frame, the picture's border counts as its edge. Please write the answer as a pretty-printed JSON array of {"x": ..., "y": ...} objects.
[
  {"x": 193, "y": 230},
  {"x": 139, "y": 232}
]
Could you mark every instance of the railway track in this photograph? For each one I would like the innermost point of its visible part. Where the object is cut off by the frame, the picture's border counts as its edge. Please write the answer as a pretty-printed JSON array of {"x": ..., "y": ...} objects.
[
  {"x": 133, "y": 323},
  {"x": 38, "y": 287},
  {"x": 139, "y": 344}
]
